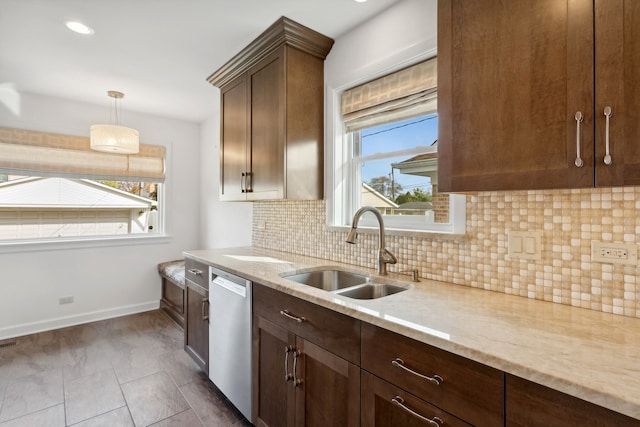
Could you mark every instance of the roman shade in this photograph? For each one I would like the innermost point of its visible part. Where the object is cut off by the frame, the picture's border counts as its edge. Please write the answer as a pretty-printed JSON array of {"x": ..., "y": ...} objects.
[
  {"x": 32, "y": 153},
  {"x": 407, "y": 93}
]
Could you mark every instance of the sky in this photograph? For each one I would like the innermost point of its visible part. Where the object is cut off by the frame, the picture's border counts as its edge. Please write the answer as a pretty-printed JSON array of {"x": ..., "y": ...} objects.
[{"x": 421, "y": 131}]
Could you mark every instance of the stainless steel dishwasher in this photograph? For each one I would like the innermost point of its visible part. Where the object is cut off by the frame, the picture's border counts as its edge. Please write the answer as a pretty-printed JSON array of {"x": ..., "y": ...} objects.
[{"x": 230, "y": 337}]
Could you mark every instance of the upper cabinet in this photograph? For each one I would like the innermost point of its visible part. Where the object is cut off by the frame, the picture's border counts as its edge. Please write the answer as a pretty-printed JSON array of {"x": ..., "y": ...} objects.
[
  {"x": 272, "y": 116},
  {"x": 535, "y": 94}
]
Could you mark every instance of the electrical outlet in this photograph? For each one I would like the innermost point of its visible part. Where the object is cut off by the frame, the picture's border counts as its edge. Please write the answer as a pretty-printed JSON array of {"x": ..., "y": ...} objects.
[
  {"x": 65, "y": 300},
  {"x": 614, "y": 253}
]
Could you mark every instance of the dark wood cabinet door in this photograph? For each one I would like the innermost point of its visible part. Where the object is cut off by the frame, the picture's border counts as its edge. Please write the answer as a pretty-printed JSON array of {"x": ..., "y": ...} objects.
[
  {"x": 273, "y": 390},
  {"x": 267, "y": 158},
  {"x": 532, "y": 405},
  {"x": 234, "y": 125},
  {"x": 328, "y": 392},
  {"x": 385, "y": 405},
  {"x": 511, "y": 77},
  {"x": 196, "y": 334},
  {"x": 617, "y": 72}
]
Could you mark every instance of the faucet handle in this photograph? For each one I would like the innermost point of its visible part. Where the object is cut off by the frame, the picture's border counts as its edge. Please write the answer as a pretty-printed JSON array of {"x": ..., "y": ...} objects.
[
  {"x": 389, "y": 258},
  {"x": 414, "y": 274}
]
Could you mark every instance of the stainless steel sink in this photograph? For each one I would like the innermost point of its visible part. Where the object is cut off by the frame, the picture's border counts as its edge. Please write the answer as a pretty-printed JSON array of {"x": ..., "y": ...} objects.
[
  {"x": 328, "y": 279},
  {"x": 371, "y": 291},
  {"x": 346, "y": 283}
]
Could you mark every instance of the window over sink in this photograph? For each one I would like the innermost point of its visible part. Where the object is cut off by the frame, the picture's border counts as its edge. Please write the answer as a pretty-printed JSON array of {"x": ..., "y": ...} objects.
[{"x": 384, "y": 153}]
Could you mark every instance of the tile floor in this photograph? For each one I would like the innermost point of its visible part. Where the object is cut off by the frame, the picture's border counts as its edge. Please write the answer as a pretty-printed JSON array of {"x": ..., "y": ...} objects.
[{"x": 128, "y": 371}]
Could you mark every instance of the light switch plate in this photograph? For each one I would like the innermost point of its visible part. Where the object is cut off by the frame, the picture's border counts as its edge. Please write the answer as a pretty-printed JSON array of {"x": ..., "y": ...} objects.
[{"x": 524, "y": 244}]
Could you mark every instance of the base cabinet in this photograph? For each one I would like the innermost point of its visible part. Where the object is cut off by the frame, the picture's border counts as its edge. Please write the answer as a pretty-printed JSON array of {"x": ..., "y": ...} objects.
[
  {"x": 532, "y": 405},
  {"x": 386, "y": 405},
  {"x": 298, "y": 382},
  {"x": 196, "y": 329}
]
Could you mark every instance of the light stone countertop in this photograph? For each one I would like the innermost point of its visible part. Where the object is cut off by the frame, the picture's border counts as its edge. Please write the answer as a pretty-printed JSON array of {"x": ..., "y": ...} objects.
[{"x": 588, "y": 354}]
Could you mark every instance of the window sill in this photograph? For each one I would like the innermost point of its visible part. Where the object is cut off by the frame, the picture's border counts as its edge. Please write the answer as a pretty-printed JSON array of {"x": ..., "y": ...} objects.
[
  {"x": 14, "y": 246},
  {"x": 420, "y": 234}
]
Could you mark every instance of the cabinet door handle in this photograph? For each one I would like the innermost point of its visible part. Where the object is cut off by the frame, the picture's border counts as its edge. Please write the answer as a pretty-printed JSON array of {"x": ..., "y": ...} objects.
[
  {"x": 287, "y": 376},
  {"x": 243, "y": 182},
  {"x": 287, "y": 314},
  {"x": 436, "y": 379},
  {"x": 249, "y": 184},
  {"x": 579, "y": 162},
  {"x": 196, "y": 272},
  {"x": 205, "y": 315},
  {"x": 607, "y": 113},
  {"x": 296, "y": 381},
  {"x": 399, "y": 402}
]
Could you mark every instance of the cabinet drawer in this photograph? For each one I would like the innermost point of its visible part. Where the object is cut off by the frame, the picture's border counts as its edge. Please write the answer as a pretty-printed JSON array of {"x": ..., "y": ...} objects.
[
  {"x": 467, "y": 389},
  {"x": 330, "y": 330},
  {"x": 533, "y": 405},
  {"x": 197, "y": 272},
  {"x": 385, "y": 405}
]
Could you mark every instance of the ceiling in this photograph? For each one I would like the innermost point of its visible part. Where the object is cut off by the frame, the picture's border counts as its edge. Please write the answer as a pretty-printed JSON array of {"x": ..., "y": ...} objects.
[{"x": 158, "y": 52}]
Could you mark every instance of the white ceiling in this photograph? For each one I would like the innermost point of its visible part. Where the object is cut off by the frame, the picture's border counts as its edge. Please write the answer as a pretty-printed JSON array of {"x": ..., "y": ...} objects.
[{"x": 158, "y": 52}]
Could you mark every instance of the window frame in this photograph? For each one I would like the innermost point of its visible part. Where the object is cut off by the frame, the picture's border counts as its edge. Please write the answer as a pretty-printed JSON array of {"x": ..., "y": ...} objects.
[
  {"x": 161, "y": 236},
  {"x": 340, "y": 173}
]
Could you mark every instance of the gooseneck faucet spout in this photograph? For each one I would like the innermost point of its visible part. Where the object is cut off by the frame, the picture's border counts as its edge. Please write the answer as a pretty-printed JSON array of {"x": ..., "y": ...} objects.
[{"x": 384, "y": 256}]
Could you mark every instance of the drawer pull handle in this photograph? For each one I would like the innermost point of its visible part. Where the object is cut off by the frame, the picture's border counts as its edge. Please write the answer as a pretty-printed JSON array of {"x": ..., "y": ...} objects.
[
  {"x": 195, "y": 272},
  {"x": 287, "y": 376},
  {"x": 296, "y": 381},
  {"x": 435, "y": 421},
  {"x": 607, "y": 155},
  {"x": 436, "y": 379},
  {"x": 286, "y": 313}
]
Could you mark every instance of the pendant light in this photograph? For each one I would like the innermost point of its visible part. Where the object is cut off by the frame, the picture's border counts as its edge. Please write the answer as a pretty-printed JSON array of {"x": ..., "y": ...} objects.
[{"x": 114, "y": 138}]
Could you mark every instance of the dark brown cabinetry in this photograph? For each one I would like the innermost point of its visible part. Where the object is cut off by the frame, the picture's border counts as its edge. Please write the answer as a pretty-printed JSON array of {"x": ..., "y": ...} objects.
[
  {"x": 431, "y": 379},
  {"x": 523, "y": 89},
  {"x": 272, "y": 116},
  {"x": 531, "y": 405},
  {"x": 386, "y": 405},
  {"x": 196, "y": 329},
  {"x": 305, "y": 363}
]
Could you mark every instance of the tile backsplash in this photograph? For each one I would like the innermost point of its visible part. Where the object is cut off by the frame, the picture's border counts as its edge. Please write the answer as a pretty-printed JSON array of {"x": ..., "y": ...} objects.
[{"x": 568, "y": 219}]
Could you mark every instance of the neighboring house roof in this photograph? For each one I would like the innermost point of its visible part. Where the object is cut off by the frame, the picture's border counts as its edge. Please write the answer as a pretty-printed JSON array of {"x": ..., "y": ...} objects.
[
  {"x": 421, "y": 165},
  {"x": 371, "y": 197},
  {"x": 67, "y": 193}
]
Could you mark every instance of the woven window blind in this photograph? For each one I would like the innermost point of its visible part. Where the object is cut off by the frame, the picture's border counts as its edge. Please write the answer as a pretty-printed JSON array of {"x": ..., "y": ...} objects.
[
  {"x": 407, "y": 93},
  {"x": 31, "y": 153}
]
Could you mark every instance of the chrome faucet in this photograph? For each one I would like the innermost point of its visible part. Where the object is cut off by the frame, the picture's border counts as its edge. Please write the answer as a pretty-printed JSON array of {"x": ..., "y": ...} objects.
[{"x": 384, "y": 256}]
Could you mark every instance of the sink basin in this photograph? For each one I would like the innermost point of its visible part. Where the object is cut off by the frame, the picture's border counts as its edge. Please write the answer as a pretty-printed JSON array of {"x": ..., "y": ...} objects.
[
  {"x": 328, "y": 279},
  {"x": 371, "y": 291},
  {"x": 346, "y": 283}
]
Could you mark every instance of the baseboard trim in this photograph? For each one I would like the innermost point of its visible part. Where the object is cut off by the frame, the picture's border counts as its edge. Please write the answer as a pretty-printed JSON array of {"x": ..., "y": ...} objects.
[{"x": 76, "y": 319}]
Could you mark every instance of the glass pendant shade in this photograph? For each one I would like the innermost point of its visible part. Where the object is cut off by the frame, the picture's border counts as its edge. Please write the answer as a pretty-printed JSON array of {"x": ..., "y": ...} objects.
[{"x": 114, "y": 139}]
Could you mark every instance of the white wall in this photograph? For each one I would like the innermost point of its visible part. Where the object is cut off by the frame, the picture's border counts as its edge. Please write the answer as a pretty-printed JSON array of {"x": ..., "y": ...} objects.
[
  {"x": 224, "y": 224},
  {"x": 105, "y": 281}
]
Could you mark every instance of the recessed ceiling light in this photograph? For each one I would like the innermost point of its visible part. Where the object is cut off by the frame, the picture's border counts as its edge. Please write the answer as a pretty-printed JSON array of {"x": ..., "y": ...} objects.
[
  {"x": 79, "y": 27},
  {"x": 360, "y": 1}
]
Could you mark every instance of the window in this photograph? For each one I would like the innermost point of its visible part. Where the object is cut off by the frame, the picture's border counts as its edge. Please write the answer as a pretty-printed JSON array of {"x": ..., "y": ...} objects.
[
  {"x": 385, "y": 154},
  {"x": 54, "y": 187}
]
